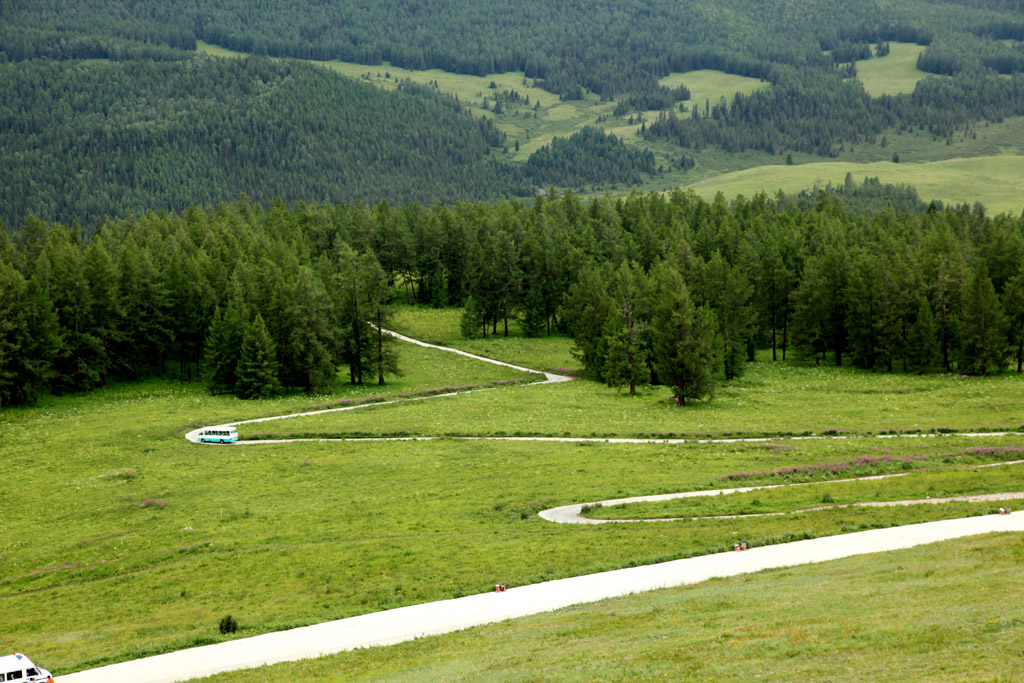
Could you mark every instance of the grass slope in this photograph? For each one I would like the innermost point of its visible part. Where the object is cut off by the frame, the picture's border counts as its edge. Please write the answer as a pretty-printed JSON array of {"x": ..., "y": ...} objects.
[
  {"x": 940, "y": 612},
  {"x": 121, "y": 539},
  {"x": 995, "y": 181},
  {"x": 893, "y": 74}
]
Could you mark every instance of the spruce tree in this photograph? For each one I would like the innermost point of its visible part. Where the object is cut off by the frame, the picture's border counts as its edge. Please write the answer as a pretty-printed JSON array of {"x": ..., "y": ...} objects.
[
  {"x": 257, "y": 365},
  {"x": 224, "y": 347},
  {"x": 684, "y": 339},
  {"x": 472, "y": 323},
  {"x": 625, "y": 354},
  {"x": 1013, "y": 307},
  {"x": 923, "y": 351},
  {"x": 983, "y": 348},
  {"x": 729, "y": 292},
  {"x": 377, "y": 292}
]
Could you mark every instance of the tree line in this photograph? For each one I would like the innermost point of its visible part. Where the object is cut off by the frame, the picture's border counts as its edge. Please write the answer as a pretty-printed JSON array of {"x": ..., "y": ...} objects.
[
  {"x": 237, "y": 295},
  {"x": 667, "y": 288}
]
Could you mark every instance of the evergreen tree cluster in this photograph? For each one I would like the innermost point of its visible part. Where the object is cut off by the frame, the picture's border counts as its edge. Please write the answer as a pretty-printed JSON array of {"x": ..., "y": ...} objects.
[
  {"x": 666, "y": 288},
  {"x": 585, "y": 155},
  {"x": 83, "y": 139},
  {"x": 254, "y": 300},
  {"x": 819, "y": 115}
]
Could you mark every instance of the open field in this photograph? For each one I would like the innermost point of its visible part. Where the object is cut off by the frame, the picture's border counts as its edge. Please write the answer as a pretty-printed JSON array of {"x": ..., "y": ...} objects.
[
  {"x": 995, "y": 181},
  {"x": 708, "y": 85},
  {"x": 893, "y": 74},
  {"x": 772, "y": 398},
  {"x": 939, "y": 612},
  {"x": 140, "y": 540}
]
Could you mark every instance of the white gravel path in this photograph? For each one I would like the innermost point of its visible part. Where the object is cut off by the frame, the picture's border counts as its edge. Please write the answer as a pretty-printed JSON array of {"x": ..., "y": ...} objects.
[
  {"x": 549, "y": 378},
  {"x": 572, "y": 514}
]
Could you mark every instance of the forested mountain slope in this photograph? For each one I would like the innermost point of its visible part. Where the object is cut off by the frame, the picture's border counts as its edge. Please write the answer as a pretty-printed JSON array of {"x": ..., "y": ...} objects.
[
  {"x": 151, "y": 125},
  {"x": 80, "y": 139}
]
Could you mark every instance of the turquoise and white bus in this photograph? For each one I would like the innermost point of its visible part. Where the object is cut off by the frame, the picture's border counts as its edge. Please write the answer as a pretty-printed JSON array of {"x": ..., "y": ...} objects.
[{"x": 218, "y": 435}]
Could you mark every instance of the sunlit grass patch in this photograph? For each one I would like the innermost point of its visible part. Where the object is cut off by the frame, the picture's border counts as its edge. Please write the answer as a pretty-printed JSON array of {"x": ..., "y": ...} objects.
[
  {"x": 995, "y": 181},
  {"x": 710, "y": 86},
  {"x": 918, "y": 484},
  {"x": 937, "y": 612},
  {"x": 893, "y": 74}
]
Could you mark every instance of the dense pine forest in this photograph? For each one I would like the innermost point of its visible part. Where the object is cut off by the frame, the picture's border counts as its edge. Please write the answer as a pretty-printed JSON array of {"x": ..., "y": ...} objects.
[
  {"x": 670, "y": 289},
  {"x": 103, "y": 137}
]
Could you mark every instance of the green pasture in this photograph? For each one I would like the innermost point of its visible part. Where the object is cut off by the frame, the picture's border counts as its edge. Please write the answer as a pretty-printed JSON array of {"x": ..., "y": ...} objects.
[
  {"x": 710, "y": 86},
  {"x": 141, "y": 541},
  {"x": 934, "y": 613},
  {"x": 441, "y": 326},
  {"x": 995, "y": 181},
  {"x": 924, "y": 484},
  {"x": 893, "y": 74},
  {"x": 771, "y": 398}
]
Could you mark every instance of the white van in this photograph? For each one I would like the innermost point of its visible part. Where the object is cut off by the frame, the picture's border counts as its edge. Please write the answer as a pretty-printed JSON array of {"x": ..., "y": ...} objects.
[
  {"x": 218, "y": 435},
  {"x": 19, "y": 668}
]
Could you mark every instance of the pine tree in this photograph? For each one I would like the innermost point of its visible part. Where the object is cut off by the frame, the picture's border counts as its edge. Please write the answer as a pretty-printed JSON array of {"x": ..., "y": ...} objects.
[
  {"x": 983, "y": 348},
  {"x": 1013, "y": 307},
  {"x": 625, "y": 354},
  {"x": 729, "y": 292},
  {"x": 684, "y": 339},
  {"x": 585, "y": 310},
  {"x": 923, "y": 351},
  {"x": 376, "y": 292},
  {"x": 12, "y": 287},
  {"x": 257, "y": 364},
  {"x": 224, "y": 348},
  {"x": 472, "y": 323}
]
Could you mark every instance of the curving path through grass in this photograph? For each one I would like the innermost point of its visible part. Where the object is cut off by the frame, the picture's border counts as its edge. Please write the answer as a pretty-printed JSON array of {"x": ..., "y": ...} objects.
[
  {"x": 406, "y": 623},
  {"x": 573, "y": 514}
]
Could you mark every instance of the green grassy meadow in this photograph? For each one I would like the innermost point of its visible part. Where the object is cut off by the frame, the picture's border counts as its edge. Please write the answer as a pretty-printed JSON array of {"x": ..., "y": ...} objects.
[
  {"x": 933, "y": 613},
  {"x": 441, "y": 326},
  {"x": 926, "y": 483},
  {"x": 893, "y": 74},
  {"x": 995, "y": 181},
  {"x": 141, "y": 541},
  {"x": 771, "y": 398}
]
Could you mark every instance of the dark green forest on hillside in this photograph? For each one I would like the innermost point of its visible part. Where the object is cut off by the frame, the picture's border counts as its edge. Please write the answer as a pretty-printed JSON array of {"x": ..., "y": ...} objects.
[
  {"x": 671, "y": 289},
  {"x": 107, "y": 109},
  {"x": 82, "y": 139}
]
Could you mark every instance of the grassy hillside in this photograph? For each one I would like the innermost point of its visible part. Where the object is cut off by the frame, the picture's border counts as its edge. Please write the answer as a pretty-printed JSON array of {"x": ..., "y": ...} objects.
[
  {"x": 939, "y": 612},
  {"x": 155, "y": 539},
  {"x": 892, "y": 74},
  {"x": 995, "y": 181},
  {"x": 981, "y": 166}
]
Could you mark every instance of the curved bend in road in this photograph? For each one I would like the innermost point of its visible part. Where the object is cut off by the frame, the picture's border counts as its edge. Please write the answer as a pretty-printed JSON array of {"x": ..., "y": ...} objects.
[{"x": 406, "y": 623}]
